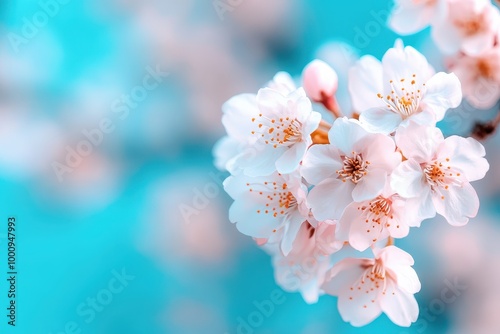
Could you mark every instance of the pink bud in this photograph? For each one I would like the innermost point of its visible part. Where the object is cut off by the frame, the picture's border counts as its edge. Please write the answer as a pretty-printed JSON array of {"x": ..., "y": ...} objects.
[{"x": 320, "y": 80}]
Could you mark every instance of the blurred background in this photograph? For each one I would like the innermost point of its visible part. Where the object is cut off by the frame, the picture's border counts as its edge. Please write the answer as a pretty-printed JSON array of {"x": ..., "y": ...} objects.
[{"x": 109, "y": 110}]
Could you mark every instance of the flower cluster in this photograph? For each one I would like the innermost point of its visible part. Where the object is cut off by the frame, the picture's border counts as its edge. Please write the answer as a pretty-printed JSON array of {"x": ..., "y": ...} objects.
[
  {"x": 315, "y": 195},
  {"x": 468, "y": 33}
]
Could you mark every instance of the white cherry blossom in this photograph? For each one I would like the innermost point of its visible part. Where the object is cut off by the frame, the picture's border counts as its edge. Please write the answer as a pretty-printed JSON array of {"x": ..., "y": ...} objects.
[
  {"x": 365, "y": 223},
  {"x": 353, "y": 167},
  {"x": 470, "y": 26},
  {"x": 438, "y": 172},
  {"x": 401, "y": 88},
  {"x": 411, "y": 16},
  {"x": 368, "y": 287},
  {"x": 265, "y": 205},
  {"x": 273, "y": 127}
]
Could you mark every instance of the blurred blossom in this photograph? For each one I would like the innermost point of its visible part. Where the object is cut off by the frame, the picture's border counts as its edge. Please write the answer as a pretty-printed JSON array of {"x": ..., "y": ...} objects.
[{"x": 187, "y": 222}]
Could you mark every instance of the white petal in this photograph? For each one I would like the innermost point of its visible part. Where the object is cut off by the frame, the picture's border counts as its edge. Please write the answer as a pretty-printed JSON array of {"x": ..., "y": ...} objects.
[
  {"x": 289, "y": 235},
  {"x": 238, "y": 113},
  {"x": 467, "y": 155},
  {"x": 370, "y": 186},
  {"x": 401, "y": 307},
  {"x": 320, "y": 162},
  {"x": 419, "y": 142},
  {"x": 408, "y": 179},
  {"x": 290, "y": 159},
  {"x": 345, "y": 133},
  {"x": 458, "y": 205},
  {"x": 365, "y": 82},
  {"x": 329, "y": 198},
  {"x": 380, "y": 120},
  {"x": 443, "y": 92}
]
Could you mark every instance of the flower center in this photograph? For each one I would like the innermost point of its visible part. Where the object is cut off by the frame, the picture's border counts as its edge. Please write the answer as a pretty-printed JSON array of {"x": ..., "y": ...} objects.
[
  {"x": 282, "y": 131},
  {"x": 484, "y": 68},
  {"x": 354, "y": 168},
  {"x": 471, "y": 26},
  {"x": 278, "y": 199},
  {"x": 440, "y": 176},
  {"x": 378, "y": 214},
  {"x": 378, "y": 270},
  {"x": 405, "y": 96}
]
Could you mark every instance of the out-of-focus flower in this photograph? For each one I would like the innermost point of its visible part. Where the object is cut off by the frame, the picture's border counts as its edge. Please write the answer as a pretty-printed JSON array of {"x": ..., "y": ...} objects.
[
  {"x": 274, "y": 127},
  {"x": 263, "y": 205},
  {"x": 320, "y": 80},
  {"x": 401, "y": 87},
  {"x": 470, "y": 26},
  {"x": 364, "y": 223},
  {"x": 368, "y": 287},
  {"x": 439, "y": 171},
  {"x": 411, "y": 16},
  {"x": 480, "y": 77},
  {"x": 304, "y": 268},
  {"x": 354, "y": 166}
]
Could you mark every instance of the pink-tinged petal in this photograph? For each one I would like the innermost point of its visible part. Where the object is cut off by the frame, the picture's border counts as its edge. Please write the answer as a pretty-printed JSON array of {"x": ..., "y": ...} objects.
[
  {"x": 249, "y": 222},
  {"x": 443, "y": 92},
  {"x": 406, "y": 278},
  {"x": 370, "y": 186},
  {"x": 399, "y": 226},
  {"x": 319, "y": 80},
  {"x": 401, "y": 307},
  {"x": 365, "y": 82},
  {"x": 408, "y": 179},
  {"x": 419, "y": 142},
  {"x": 345, "y": 133},
  {"x": 320, "y": 162},
  {"x": 224, "y": 150},
  {"x": 260, "y": 241},
  {"x": 344, "y": 274},
  {"x": 290, "y": 159},
  {"x": 380, "y": 120},
  {"x": 393, "y": 256},
  {"x": 359, "y": 304},
  {"x": 457, "y": 204},
  {"x": 380, "y": 151},
  {"x": 290, "y": 235},
  {"x": 238, "y": 113},
  {"x": 271, "y": 102},
  {"x": 426, "y": 205},
  {"x": 401, "y": 64},
  {"x": 312, "y": 123},
  {"x": 259, "y": 160},
  {"x": 362, "y": 231},
  {"x": 466, "y": 154},
  {"x": 446, "y": 37},
  {"x": 409, "y": 18},
  {"x": 477, "y": 44},
  {"x": 407, "y": 211},
  {"x": 283, "y": 83},
  {"x": 329, "y": 198}
]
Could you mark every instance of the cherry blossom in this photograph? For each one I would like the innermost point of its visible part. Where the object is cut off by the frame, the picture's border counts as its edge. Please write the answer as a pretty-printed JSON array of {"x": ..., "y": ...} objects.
[
  {"x": 265, "y": 204},
  {"x": 411, "y": 16},
  {"x": 364, "y": 223},
  {"x": 320, "y": 80},
  {"x": 304, "y": 268},
  {"x": 273, "y": 126},
  {"x": 480, "y": 77},
  {"x": 470, "y": 26},
  {"x": 231, "y": 150},
  {"x": 438, "y": 172},
  {"x": 402, "y": 87},
  {"x": 368, "y": 287},
  {"x": 354, "y": 166}
]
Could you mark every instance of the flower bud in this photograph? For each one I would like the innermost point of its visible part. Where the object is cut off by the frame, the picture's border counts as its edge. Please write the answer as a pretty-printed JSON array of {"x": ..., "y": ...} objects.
[{"x": 320, "y": 81}]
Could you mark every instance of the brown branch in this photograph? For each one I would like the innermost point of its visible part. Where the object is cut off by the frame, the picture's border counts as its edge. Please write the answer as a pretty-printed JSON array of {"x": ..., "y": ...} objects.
[{"x": 483, "y": 130}]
